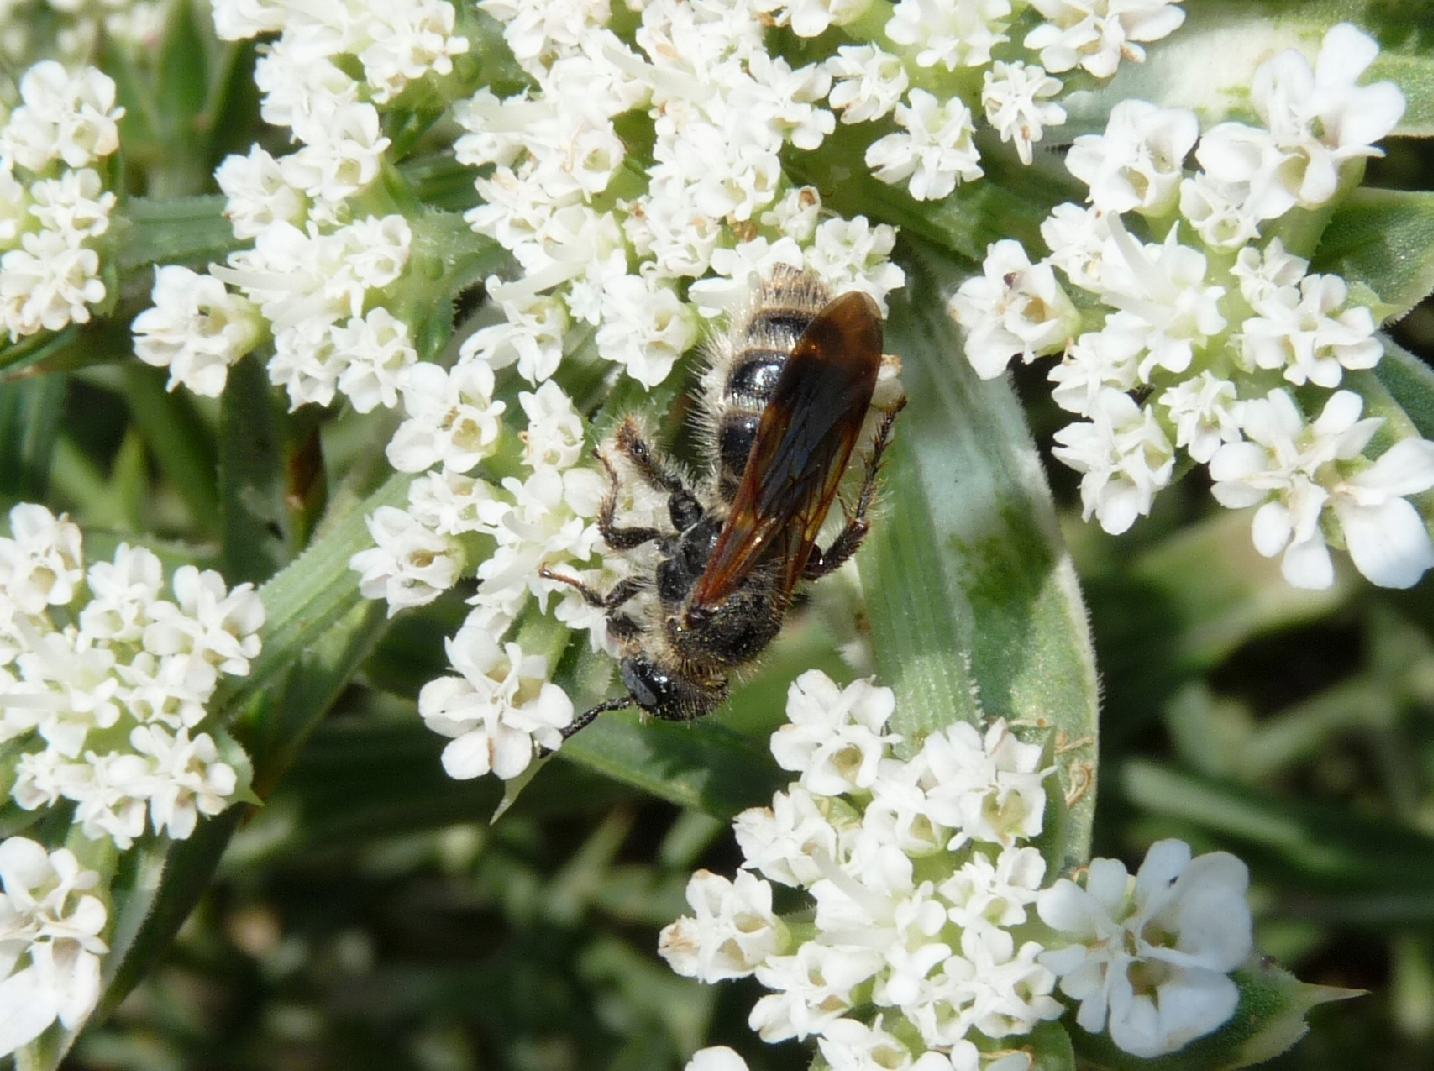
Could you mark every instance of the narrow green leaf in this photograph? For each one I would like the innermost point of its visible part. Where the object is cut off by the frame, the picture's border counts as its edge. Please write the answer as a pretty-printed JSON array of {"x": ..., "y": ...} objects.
[
  {"x": 1269, "y": 1019},
  {"x": 253, "y": 516},
  {"x": 312, "y": 592},
  {"x": 974, "y": 605},
  {"x": 1206, "y": 65},
  {"x": 1318, "y": 848},
  {"x": 187, "y": 230},
  {"x": 29, "y": 424},
  {"x": 1410, "y": 382},
  {"x": 178, "y": 441},
  {"x": 1156, "y": 629},
  {"x": 183, "y": 75},
  {"x": 1384, "y": 239}
]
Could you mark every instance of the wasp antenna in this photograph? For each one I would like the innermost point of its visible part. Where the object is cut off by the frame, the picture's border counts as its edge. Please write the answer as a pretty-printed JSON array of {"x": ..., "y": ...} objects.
[{"x": 583, "y": 720}]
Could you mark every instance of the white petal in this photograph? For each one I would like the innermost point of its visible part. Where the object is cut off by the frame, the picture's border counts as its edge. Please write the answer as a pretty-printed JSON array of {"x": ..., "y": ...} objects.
[
  {"x": 1406, "y": 468},
  {"x": 1308, "y": 565},
  {"x": 26, "y": 1009},
  {"x": 1344, "y": 54},
  {"x": 471, "y": 755},
  {"x": 1271, "y": 528},
  {"x": 1389, "y": 543}
]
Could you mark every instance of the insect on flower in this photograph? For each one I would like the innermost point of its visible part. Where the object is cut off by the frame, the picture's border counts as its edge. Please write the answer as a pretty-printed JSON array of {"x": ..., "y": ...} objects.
[{"x": 782, "y": 406}]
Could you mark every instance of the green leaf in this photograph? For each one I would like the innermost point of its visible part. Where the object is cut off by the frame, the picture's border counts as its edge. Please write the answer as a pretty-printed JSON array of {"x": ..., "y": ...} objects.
[
  {"x": 1384, "y": 239},
  {"x": 178, "y": 441},
  {"x": 1207, "y": 64},
  {"x": 1157, "y": 629},
  {"x": 29, "y": 425},
  {"x": 313, "y": 591},
  {"x": 181, "y": 230},
  {"x": 1410, "y": 382},
  {"x": 974, "y": 606},
  {"x": 1269, "y": 1019},
  {"x": 1317, "y": 850},
  {"x": 253, "y": 516}
]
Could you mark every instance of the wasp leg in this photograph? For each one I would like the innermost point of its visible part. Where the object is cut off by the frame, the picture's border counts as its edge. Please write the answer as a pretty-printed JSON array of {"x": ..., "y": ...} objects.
[
  {"x": 849, "y": 540},
  {"x": 620, "y": 593},
  {"x": 618, "y": 537},
  {"x": 682, "y": 505}
]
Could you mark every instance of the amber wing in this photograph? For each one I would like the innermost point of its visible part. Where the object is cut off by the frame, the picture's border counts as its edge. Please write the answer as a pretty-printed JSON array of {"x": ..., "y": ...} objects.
[{"x": 802, "y": 446}]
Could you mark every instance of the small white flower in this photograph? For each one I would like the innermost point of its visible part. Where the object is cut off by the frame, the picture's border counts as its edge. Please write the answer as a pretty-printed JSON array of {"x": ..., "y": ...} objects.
[
  {"x": 834, "y": 735},
  {"x": 811, "y": 989},
  {"x": 1283, "y": 468},
  {"x": 452, "y": 417},
  {"x": 1386, "y": 536},
  {"x": 554, "y": 436},
  {"x": 867, "y": 82},
  {"x": 987, "y": 787},
  {"x": 737, "y": 270},
  {"x": 1317, "y": 119},
  {"x": 1078, "y": 238},
  {"x": 185, "y": 778},
  {"x": 935, "y": 152},
  {"x": 852, "y": 254},
  {"x": 1137, "y": 164},
  {"x": 997, "y": 892},
  {"x": 208, "y": 622},
  {"x": 1014, "y": 96},
  {"x": 731, "y": 932},
  {"x": 1013, "y": 308},
  {"x": 50, "y": 945},
  {"x": 1202, "y": 409},
  {"x": 257, "y": 194},
  {"x": 1265, "y": 272},
  {"x": 530, "y": 335},
  {"x": 499, "y": 713},
  {"x": 1095, "y": 362},
  {"x": 791, "y": 842},
  {"x": 378, "y": 350},
  {"x": 1153, "y": 953},
  {"x": 1219, "y": 211},
  {"x": 409, "y": 565},
  {"x": 851, "y": 1045},
  {"x": 48, "y": 283},
  {"x": 1307, "y": 333},
  {"x": 40, "y": 563},
  {"x": 1008, "y": 988},
  {"x": 1098, "y": 34},
  {"x": 1162, "y": 294},
  {"x": 1123, "y": 456},
  {"x": 645, "y": 327},
  {"x": 195, "y": 328},
  {"x": 62, "y": 116},
  {"x": 950, "y": 35},
  {"x": 75, "y": 205},
  {"x": 811, "y": 18}
]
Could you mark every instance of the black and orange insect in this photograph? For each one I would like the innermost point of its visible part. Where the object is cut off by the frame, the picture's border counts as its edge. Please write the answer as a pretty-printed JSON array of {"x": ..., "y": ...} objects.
[{"x": 782, "y": 406}]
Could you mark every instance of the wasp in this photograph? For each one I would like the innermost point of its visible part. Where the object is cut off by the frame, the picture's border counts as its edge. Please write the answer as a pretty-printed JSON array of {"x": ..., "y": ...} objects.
[{"x": 781, "y": 408}]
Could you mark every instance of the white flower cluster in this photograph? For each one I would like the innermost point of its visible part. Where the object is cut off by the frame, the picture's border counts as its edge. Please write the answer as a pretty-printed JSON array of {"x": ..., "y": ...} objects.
[
  {"x": 932, "y": 150},
  {"x": 915, "y": 943},
  {"x": 605, "y": 239},
  {"x": 54, "y": 208},
  {"x": 500, "y": 710},
  {"x": 103, "y": 681},
  {"x": 323, "y": 269},
  {"x": 50, "y": 926},
  {"x": 1192, "y": 340},
  {"x": 70, "y": 30}
]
